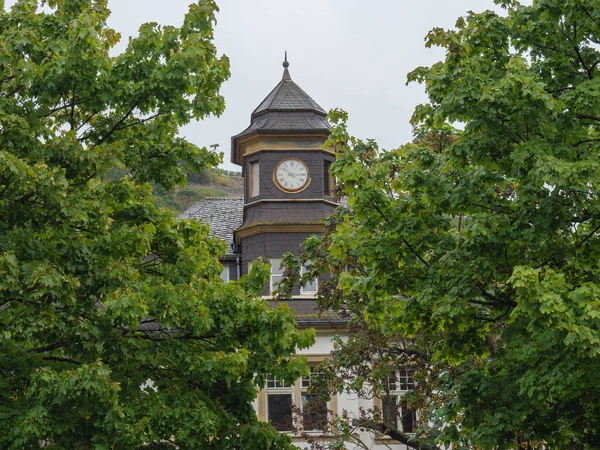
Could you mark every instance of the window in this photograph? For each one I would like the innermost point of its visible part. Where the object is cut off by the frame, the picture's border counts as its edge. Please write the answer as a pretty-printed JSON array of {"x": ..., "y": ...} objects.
[
  {"x": 328, "y": 179},
  {"x": 254, "y": 183},
  {"x": 395, "y": 410},
  {"x": 401, "y": 380},
  {"x": 280, "y": 397},
  {"x": 225, "y": 274},
  {"x": 400, "y": 415},
  {"x": 310, "y": 287},
  {"x": 314, "y": 409},
  {"x": 293, "y": 407},
  {"x": 276, "y": 274}
]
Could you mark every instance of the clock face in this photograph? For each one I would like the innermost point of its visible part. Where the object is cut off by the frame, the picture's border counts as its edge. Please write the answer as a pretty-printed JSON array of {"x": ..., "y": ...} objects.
[{"x": 291, "y": 175}]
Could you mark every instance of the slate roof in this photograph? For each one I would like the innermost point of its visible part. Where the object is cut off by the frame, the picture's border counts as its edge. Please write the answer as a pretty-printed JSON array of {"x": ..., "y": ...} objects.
[
  {"x": 287, "y": 108},
  {"x": 224, "y": 215},
  {"x": 287, "y": 96},
  {"x": 274, "y": 121},
  {"x": 307, "y": 313}
]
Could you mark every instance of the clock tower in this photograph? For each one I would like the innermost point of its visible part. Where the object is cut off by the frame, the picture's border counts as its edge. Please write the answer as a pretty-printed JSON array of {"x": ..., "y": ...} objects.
[{"x": 288, "y": 189}]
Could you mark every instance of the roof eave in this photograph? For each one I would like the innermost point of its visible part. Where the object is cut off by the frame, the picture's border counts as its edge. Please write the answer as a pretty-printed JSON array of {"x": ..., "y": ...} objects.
[
  {"x": 258, "y": 132},
  {"x": 320, "y": 112},
  {"x": 321, "y": 323}
]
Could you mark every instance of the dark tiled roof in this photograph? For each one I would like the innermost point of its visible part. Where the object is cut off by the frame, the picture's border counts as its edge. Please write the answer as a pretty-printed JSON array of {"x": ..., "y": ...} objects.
[
  {"x": 275, "y": 121},
  {"x": 223, "y": 215},
  {"x": 286, "y": 109},
  {"x": 306, "y": 312},
  {"x": 287, "y": 96}
]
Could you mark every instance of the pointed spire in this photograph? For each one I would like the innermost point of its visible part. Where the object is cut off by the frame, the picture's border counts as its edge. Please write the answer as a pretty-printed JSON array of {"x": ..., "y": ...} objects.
[{"x": 286, "y": 72}]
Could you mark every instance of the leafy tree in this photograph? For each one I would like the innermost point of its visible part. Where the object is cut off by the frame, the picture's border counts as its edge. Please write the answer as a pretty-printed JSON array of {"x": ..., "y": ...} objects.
[
  {"x": 115, "y": 328},
  {"x": 472, "y": 256}
]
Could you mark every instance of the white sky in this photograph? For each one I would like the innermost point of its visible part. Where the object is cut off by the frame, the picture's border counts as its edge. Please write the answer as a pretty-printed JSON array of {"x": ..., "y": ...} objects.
[{"x": 347, "y": 54}]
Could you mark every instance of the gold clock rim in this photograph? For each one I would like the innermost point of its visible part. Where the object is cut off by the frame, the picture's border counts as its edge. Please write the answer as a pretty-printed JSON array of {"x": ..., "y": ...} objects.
[{"x": 291, "y": 191}]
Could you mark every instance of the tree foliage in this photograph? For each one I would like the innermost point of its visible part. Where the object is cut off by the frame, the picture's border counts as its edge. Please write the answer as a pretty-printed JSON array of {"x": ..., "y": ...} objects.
[
  {"x": 471, "y": 255},
  {"x": 115, "y": 328}
]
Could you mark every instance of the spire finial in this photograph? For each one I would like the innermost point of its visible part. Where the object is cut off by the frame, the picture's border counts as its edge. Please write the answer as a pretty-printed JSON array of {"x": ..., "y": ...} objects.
[{"x": 286, "y": 72}]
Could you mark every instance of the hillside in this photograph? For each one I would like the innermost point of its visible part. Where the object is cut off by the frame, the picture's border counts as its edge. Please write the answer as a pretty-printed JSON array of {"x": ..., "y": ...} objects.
[{"x": 213, "y": 183}]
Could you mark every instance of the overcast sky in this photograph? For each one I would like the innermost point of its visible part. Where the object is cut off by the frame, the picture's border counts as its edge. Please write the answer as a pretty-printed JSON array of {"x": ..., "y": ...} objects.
[{"x": 347, "y": 54}]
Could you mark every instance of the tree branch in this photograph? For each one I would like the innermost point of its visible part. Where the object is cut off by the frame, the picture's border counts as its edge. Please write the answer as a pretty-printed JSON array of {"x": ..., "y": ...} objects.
[
  {"x": 116, "y": 126},
  {"x": 85, "y": 180},
  {"x": 494, "y": 298},
  {"x": 587, "y": 116},
  {"x": 72, "y": 115},
  {"x": 407, "y": 439},
  {"x": 585, "y": 141},
  {"x": 587, "y": 13},
  {"x": 4, "y": 80},
  {"x": 578, "y": 52},
  {"x": 137, "y": 122},
  {"x": 53, "y": 110},
  {"x": 410, "y": 352},
  {"x": 376, "y": 206},
  {"x": 151, "y": 335},
  {"x": 61, "y": 359},
  {"x": 86, "y": 121},
  {"x": 47, "y": 348},
  {"x": 494, "y": 319},
  {"x": 583, "y": 241}
]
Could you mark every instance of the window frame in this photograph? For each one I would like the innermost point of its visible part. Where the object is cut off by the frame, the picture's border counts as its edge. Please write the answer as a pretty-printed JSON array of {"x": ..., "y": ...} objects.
[
  {"x": 297, "y": 435},
  {"x": 396, "y": 388},
  {"x": 253, "y": 179},
  {"x": 328, "y": 180},
  {"x": 279, "y": 388},
  {"x": 226, "y": 274},
  {"x": 314, "y": 282},
  {"x": 305, "y": 385},
  {"x": 275, "y": 277}
]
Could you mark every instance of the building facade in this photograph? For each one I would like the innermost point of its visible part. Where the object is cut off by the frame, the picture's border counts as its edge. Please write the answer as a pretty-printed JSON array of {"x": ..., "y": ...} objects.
[{"x": 288, "y": 192}]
